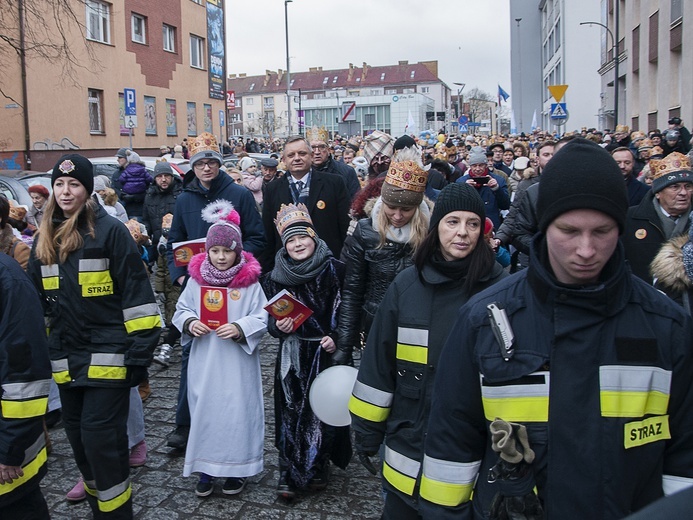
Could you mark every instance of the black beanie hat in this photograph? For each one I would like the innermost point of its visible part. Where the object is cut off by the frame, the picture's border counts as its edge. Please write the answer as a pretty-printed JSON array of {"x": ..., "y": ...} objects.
[
  {"x": 581, "y": 175},
  {"x": 75, "y": 166},
  {"x": 458, "y": 196},
  {"x": 404, "y": 142}
]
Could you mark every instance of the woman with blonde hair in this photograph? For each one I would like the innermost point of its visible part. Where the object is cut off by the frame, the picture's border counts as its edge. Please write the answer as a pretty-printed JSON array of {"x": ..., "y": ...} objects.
[
  {"x": 104, "y": 324},
  {"x": 381, "y": 246}
]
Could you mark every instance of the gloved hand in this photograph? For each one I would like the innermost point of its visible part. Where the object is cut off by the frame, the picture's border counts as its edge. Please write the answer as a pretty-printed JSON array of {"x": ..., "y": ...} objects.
[
  {"x": 505, "y": 437},
  {"x": 161, "y": 248},
  {"x": 365, "y": 453},
  {"x": 342, "y": 356},
  {"x": 137, "y": 374}
]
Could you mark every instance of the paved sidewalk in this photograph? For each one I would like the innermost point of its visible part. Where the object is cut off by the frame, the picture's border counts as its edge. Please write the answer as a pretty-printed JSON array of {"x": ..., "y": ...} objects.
[{"x": 161, "y": 493}]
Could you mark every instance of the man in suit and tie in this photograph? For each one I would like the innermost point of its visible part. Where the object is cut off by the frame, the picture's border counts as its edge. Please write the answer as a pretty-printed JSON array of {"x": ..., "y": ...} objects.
[{"x": 324, "y": 194}]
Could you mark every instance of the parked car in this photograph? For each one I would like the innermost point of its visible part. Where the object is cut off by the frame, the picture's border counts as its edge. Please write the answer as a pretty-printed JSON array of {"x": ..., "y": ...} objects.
[
  {"x": 231, "y": 161},
  {"x": 108, "y": 165},
  {"x": 14, "y": 184}
]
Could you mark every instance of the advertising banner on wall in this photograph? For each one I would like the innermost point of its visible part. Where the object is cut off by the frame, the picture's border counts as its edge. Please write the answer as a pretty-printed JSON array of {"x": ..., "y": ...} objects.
[{"x": 215, "y": 37}]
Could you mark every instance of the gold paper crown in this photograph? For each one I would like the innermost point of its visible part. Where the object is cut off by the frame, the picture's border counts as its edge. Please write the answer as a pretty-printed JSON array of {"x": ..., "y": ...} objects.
[
  {"x": 637, "y": 135},
  {"x": 673, "y": 164},
  {"x": 17, "y": 212},
  {"x": 645, "y": 144},
  {"x": 622, "y": 129},
  {"x": 290, "y": 215},
  {"x": 657, "y": 150},
  {"x": 203, "y": 143},
  {"x": 407, "y": 175},
  {"x": 318, "y": 134}
]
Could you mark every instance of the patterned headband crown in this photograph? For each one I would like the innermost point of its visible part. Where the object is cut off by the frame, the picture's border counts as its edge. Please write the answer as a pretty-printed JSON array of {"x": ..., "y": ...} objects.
[
  {"x": 290, "y": 215},
  {"x": 407, "y": 175},
  {"x": 203, "y": 143},
  {"x": 674, "y": 163},
  {"x": 318, "y": 134}
]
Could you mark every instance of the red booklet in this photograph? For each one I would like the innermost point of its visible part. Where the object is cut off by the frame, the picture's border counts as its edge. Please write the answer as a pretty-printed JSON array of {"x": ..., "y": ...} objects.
[
  {"x": 284, "y": 305},
  {"x": 213, "y": 306},
  {"x": 184, "y": 251}
]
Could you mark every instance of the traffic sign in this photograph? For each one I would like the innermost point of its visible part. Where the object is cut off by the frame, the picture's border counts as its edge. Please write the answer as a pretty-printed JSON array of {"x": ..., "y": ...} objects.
[
  {"x": 463, "y": 120},
  {"x": 348, "y": 112},
  {"x": 474, "y": 123},
  {"x": 130, "y": 102},
  {"x": 557, "y": 91},
  {"x": 464, "y": 129},
  {"x": 221, "y": 118},
  {"x": 230, "y": 99},
  {"x": 559, "y": 111}
]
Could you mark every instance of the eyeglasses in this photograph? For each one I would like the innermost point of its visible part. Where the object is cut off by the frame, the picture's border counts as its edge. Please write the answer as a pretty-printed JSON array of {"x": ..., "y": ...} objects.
[
  {"x": 200, "y": 165},
  {"x": 319, "y": 147},
  {"x": 675, "y": 188}
]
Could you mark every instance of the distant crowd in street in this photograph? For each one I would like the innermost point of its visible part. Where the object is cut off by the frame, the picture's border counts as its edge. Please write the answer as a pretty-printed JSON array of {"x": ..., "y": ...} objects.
[{"x": 518, "y": 308}]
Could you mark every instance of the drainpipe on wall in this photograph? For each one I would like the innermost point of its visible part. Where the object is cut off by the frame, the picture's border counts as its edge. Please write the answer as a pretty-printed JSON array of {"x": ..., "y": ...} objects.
[{"x": 22, "y": 58}]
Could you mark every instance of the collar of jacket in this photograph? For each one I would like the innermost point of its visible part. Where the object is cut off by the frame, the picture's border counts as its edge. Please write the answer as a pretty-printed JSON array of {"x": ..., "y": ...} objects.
[
  {"x": 191, "y": 183},
  {"x": 324, "y": 166},
  {"x": 606, "y": 298}
]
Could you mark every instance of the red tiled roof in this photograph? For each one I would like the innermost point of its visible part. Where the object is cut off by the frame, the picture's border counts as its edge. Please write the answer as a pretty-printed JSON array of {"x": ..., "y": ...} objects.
[{"x": 319, "y": 80}]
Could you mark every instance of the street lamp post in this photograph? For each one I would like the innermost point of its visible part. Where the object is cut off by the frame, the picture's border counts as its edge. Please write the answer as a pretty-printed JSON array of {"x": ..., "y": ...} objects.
[
  {"x": 519, "y": 82},
  {"x": 288, "y": 65},
  {"x": 614, "y": 52},
  {"x": 459, "y": 93}
]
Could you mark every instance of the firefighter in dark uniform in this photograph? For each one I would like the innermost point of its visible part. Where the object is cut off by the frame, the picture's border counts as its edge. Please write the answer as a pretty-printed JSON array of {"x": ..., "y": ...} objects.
[
  {"x": 25, "y": 373},
  {"x": 103, "y": 324},
  {"x": 597, "y": 370}
]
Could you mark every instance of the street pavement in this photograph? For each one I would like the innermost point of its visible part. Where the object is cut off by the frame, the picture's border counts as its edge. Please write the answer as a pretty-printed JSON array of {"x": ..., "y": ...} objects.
[{"x": 161, "y": 493}]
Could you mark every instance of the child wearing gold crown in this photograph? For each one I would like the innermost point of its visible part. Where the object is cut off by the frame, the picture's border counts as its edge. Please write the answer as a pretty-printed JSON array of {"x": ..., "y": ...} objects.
[
  {"x": 224, "y": 379},
  {"x": 304, "y": 266}
]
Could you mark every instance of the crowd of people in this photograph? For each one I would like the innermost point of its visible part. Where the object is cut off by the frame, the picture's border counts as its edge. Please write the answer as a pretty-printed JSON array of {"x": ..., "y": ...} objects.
[{"x": 520, "y": 307}]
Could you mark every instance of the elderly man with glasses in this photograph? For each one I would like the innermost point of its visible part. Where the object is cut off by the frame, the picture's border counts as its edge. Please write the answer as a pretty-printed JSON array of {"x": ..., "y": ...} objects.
[
  {"x": 324, "y": 162},
  {"x": 662, "y": 214}
]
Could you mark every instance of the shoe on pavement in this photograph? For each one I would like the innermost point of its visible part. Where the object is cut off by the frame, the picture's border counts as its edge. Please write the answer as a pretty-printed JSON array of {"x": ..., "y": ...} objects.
[
  {"x": 233, "y": 485},
  {"x": 321, "y": 478},
  {"x": 77, "y": 493},
  {"x": 205, "y": 485},
  {"x": 138, "y": 454},
  {"x": 53, "y": 418},
  {"x": 284, "y": 488},
  {"x": 164, "y": 355},
  {"x": 179, "y": 438}
]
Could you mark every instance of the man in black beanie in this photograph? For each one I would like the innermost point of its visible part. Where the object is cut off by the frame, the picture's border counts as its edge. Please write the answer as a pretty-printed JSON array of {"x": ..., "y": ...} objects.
[{"x": 588, "y": 367}]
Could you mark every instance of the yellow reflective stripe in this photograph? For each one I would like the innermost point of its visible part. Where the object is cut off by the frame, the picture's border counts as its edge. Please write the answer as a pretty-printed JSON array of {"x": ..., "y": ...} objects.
[
  {"x": 31, "y": 466},
  {"x": 111, "y": 504},
  {"x": 445, "y": 493},
  {"x": 398, "y": 480},
  {"x": 633, "y": 404},
  {"x": 412, "y": 353},
  {"x": 652, "y": 429},
  {"x": 95, "y": 278},
  {"x": 90, "y": 487},
  {"x": 60, "y": 371},
  {"x": 517, "y": 409},
  {"x": 368, "y": 411},
  {"x": 106, "y": 372},
  {"x": 24, "y": 409},
  {"x": 51, "y": 284},
  {"x": 146, "y": 323}
]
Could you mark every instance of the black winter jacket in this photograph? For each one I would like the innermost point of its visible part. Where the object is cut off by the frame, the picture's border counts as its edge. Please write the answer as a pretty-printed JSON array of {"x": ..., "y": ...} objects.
[
  {"x": 369, "y": 271},
  {"x": 158, "y": 203},
  {"x": 346, "y": 172}
]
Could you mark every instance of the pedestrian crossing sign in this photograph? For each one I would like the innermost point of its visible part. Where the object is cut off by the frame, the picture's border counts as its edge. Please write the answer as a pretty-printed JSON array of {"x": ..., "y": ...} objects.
[{"x": 559, "y": 111}]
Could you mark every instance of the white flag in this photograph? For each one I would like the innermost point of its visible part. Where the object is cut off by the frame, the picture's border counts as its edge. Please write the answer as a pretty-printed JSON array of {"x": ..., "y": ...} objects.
[
  {"x": 411, "y": 125},
  {"x": 513, "y": 125},
  {"x": 534, "y": 121}
]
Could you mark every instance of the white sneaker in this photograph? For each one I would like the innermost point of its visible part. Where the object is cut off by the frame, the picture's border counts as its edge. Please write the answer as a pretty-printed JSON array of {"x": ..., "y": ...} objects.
[{"x": 164, "y": 355}]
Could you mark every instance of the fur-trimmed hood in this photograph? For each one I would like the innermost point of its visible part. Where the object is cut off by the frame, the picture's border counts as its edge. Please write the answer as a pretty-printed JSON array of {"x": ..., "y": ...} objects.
[
  {"x": 247, "y": 276},
  {"x": 667, "y": 267}
]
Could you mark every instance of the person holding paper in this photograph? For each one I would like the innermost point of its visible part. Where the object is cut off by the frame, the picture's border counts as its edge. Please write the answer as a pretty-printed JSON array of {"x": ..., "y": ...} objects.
[
  {"x": 304, "y": 267},
  {"x": 221, "y": 312}
]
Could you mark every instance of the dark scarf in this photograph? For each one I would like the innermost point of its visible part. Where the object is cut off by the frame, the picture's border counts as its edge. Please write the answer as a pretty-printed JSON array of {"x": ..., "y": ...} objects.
[
  {"x": 290, "y": 273},
  {"x": 453, "y": 269}
]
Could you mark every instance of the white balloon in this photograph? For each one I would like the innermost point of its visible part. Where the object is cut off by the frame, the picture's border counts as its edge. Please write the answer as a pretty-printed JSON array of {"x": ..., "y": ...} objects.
[{"x": 330, "y": 393}]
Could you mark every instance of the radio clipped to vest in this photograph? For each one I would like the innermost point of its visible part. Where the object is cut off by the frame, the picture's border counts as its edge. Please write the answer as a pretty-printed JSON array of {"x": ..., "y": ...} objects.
[{"x": 500, "y": 325}]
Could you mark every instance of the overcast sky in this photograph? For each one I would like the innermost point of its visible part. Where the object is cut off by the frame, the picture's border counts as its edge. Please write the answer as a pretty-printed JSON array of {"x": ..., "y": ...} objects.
[{"x": 469, "y": 38}]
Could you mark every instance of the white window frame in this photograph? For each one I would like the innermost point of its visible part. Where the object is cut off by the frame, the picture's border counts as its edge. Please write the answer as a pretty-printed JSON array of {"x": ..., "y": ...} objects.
[
  {"x": 98, "y": 21},
  {"x": 425, "y": 90},
  {"x": 138, "y": 25},
  {"x": 95, "y": 101},
  {"x": 169, "y": 35},
  {"x": 197, "y": 52}
]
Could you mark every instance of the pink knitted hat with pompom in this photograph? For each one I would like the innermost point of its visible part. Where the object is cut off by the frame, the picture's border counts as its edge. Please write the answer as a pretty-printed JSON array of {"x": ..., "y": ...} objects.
[{"x": 225, "y": 231}]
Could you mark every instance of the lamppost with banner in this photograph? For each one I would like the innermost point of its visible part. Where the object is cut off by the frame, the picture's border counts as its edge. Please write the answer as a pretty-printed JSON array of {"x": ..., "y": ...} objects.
[
  {"x": 614, "y": 53},
  {"x": 288, "y": 66}
]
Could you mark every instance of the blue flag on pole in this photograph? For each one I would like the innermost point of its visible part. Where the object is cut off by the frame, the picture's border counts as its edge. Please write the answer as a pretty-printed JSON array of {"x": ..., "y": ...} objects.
[{"x": 502, "y": 94}]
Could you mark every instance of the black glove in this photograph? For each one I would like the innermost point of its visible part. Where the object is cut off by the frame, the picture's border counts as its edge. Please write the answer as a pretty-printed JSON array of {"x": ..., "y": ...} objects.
[
  {"x": 365, "y": 453},
  {"x": 342, "y": 356},
  {"x": 161, "y": 248},
  {"x": 137, "y": 374}
]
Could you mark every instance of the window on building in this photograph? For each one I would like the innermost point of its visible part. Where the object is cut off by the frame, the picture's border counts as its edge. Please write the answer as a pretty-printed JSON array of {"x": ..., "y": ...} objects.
[
  {"x": 252, "y": 86},
  {"x": 408, "y": 91},
  {"x": 251, "y": 115},
  {"x": 412, "y": 74},
  {"x": 324, "y": 81},
  {"x": 98, "y": 21},
  {"x": 382, "y": 77},
  {"x": 268, "y": 103},
  {"x": 558, "y": 33},
  {"x": 238, "y": 102},
  {"x": 389, "y": 91},
  {"x": 635, "y": 49},
  {"x": 676, "y": 10},
  {"x": 425, "y": 90},
  {"x": 334, "y": 80},
  {"x": 95, "y": 100},
  {"x": 376, "y": 92},
  {"x": 139, "y": 28},
  {"x": 250, "y": 100},
  {"x": 169, "y": 38},
  {"x": 197, "y": 51},
  {"x": 654, "y": 37}
]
